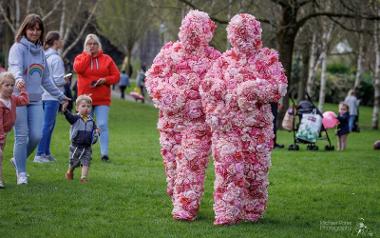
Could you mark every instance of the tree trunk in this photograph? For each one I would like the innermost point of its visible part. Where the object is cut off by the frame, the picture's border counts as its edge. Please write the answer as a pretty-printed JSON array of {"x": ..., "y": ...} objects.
[
  {"x": 304, "y": 74},
  {"x": 359, "y": 64},
  {"x": 17, "y": 13},
  {"x": 28, "y": 5},
  {"x": 312, "y": 66},
  {"x": 322, "y": 90},
  {"x": 62, "y": 22},
  {"x": 376, "y": 78},
  {"x": 228, "y": 45},
  {"x": 129, "y": 69},
  {"x": 286, "y": 37},
  {"x": 8, "y": 39}
]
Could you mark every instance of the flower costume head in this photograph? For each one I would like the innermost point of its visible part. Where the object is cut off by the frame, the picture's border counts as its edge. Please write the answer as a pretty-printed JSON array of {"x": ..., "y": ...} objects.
[
  {"x": 236, "y": 94},
  {"x": 244, "y": 33},
  {"x": 197, "y": 29},
  {"x": 173, "y": 83}
]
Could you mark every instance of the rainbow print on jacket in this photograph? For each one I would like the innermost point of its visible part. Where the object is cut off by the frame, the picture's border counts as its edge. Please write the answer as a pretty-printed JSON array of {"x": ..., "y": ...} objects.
[{"x": 36, "y": 68}]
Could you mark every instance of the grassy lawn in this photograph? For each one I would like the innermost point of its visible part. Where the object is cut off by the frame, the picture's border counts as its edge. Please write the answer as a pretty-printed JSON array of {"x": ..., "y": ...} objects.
[{"x": 312, "y": 194}]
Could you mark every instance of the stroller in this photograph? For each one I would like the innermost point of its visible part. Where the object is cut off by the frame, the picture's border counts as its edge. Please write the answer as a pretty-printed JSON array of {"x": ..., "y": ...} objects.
[{"x": 309, "y": 128}]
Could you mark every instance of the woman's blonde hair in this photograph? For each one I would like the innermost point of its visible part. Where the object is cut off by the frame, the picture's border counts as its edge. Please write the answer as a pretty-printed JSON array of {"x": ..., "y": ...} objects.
[
  {"x": 6, "y": 75},
  {"x": 92, "y": 37}
]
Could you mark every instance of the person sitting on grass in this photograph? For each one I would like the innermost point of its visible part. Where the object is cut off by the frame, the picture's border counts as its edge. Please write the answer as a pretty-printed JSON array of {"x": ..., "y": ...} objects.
[
  {"x": 83, "y": 134},
  {"x": 8, "y": 103}
]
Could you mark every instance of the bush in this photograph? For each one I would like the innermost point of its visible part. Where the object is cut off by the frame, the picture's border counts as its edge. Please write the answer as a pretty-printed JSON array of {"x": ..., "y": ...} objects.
[{"x": 338, "y": 85}]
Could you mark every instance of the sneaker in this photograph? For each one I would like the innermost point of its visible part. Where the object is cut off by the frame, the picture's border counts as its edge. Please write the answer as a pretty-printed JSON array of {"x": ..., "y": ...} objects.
[
  {"x": 22, "y": 179},
  {"x": 40, "y": 159},
  {"x": 50, "y": 158},
  {"x": 69, "y": 175},
  {"x": 1, "y": 184},
  {"x": 279, "y": 146},
  {"x": 83, "y": 180},
  {"x": 13, "y": 163},
  {"x": 105, "y": 158}
]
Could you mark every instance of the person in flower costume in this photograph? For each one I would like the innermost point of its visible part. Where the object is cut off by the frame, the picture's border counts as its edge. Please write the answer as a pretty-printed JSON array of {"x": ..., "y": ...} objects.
[
  {"x": 236, "y": 93},
  {"x": 173, "y": 83}
]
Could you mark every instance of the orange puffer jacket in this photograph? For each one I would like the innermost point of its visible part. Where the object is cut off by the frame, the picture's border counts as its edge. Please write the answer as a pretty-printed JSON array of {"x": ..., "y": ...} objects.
[{"x": 89, "y": 70}]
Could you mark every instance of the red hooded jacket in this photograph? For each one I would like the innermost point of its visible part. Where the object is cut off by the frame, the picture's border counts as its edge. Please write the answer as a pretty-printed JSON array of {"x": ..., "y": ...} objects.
[
  {"x": 90, "y": 69},
  {"x": 8, "y": 116}
]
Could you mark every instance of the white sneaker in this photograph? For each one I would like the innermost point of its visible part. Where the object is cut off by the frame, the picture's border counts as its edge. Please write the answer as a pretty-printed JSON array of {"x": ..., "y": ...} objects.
[
  {"x": 2, "y": 184},
  {"x": 40, "y": 159},
  {"x": 50, "y": 158},
  {"x": 22, "y": 179}
]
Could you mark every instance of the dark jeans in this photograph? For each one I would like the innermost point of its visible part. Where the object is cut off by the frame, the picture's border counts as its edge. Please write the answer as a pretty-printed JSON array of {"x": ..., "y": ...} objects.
[
  {"x": 274, "y": 107},
  {"x": 142, "y": 89},
  {"x": 122, "y": 90}
]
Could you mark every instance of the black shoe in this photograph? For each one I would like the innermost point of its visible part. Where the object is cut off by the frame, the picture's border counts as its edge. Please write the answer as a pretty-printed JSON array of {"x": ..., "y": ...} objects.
[
  {"x": 279, "y": 146},
  {"x": 105, "y": 158}
]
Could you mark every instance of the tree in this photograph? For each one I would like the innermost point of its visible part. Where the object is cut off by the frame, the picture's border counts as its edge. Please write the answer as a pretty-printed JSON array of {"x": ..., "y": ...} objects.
[
  {"x": 124, "y": 22},
  {"x": 376, "y": 76},
  {"x": 12, "y": 12},
  {"x": 291, "y": 16}
]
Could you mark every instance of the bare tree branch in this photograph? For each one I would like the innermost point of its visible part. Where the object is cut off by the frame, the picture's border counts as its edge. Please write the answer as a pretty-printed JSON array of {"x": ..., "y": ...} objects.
[
  {"x": 17, "y": 13},
  {"x": 349, "y": 29},
  {"x": 281, "y": 3},
  {"x": 344, "y": 4},
  {"x": 6, "y": 18},
  {"x": 302, "y": 21},
  {"x": 302, "y": 3},
  {"x": 70, "y": 25},
  {"x": 220, "y": 21},
  {"x": 52, "y": 10},
  {"x": 82, "y": 31},
  {"x": 29, "y": 3}
]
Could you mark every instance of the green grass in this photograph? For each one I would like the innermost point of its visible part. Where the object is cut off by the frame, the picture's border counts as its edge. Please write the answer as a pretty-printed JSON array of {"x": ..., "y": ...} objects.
[{"x": 126, "y": 198}]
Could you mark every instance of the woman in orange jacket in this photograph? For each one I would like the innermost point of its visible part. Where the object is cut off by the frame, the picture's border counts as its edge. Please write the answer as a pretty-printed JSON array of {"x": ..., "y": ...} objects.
[{"x": 96, "y": 73}]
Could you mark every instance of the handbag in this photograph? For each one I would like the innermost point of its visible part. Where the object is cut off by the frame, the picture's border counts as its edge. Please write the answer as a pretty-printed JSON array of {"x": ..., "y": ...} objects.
[{"x": 287, "y": 122}]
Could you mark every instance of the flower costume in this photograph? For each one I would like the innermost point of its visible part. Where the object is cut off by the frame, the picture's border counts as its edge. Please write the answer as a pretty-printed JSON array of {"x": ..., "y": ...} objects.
[
  {"x": 236, "y": 94},
  {"x": 173, "y": 83}
]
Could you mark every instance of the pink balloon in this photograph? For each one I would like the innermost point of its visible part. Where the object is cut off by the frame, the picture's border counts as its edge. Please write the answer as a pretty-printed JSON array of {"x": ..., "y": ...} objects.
[{"x": 329, "y": 120}]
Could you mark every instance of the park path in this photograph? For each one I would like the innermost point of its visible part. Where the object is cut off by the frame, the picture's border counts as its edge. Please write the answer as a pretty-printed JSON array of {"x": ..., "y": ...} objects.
[{"x": 116, "y": 94}]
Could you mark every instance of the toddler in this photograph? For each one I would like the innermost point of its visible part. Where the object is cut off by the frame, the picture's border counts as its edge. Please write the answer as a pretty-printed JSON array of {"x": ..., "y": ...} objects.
[
  {"x": 343, "y": 127},
  {"x": 8, "y": 103},
  {"x": 83, "y": 134}
]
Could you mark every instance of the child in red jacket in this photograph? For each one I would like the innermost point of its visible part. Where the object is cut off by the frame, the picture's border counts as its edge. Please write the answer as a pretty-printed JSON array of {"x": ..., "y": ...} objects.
[{"x": 8, "y": 103}]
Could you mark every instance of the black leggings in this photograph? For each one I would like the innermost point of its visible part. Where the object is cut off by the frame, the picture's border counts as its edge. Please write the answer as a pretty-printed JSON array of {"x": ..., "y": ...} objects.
[{"x": 122, "y": 89}]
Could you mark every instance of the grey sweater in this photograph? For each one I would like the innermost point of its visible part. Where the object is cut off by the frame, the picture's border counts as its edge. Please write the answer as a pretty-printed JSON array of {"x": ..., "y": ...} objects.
[
  {"x": 82, "y": 133},
  {"x": 27, "y": 62},
  {"x": 56, "y": 71}
]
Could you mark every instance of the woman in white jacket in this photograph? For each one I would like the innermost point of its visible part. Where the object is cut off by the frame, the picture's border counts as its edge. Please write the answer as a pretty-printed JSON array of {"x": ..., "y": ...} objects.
[{"x": 52, "y": 44}]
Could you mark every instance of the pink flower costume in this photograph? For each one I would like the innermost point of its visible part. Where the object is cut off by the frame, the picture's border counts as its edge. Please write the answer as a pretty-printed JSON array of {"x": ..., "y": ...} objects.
[
  {"x": 236, "y": 94},
  {"x": 173, "y": 83}
]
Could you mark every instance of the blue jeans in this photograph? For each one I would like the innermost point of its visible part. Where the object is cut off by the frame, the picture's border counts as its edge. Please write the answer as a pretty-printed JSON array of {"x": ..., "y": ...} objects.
[
  {"x": 50, "y": 112},
  {"x": 28, "y": 132},
  {"x": 351, "y": 122},
  {"x": 101, "y": 116}
]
